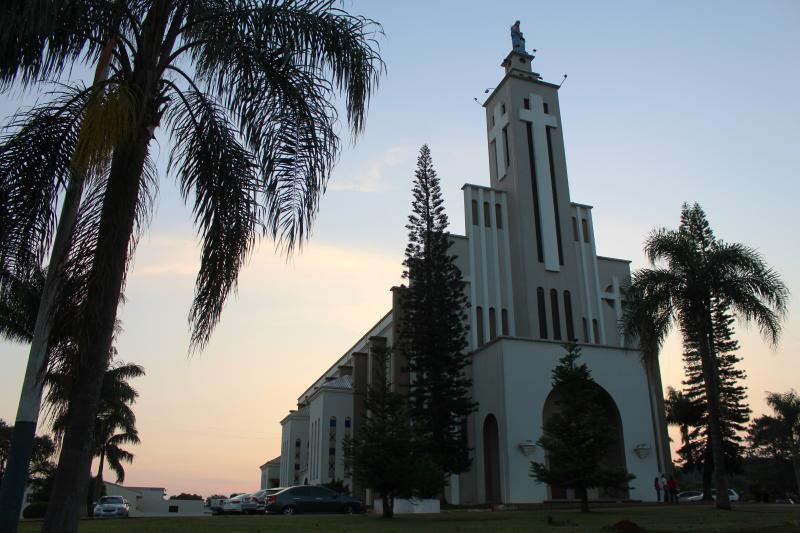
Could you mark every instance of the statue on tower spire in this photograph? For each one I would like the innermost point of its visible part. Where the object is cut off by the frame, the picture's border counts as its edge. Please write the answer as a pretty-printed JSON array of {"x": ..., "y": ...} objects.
[{"x": 517, "y": 40}]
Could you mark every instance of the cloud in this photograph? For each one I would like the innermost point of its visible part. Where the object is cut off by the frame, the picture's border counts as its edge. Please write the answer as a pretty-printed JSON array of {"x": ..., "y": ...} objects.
[
  {"x": 166, "y": 256},
  {"x": 373, "y": 179}
]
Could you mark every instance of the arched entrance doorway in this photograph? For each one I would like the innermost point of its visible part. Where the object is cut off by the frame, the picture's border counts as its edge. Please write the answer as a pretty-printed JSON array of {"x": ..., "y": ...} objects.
[
  {"x": 491, "y": 459},
  {"x": 616, "y": 453}
]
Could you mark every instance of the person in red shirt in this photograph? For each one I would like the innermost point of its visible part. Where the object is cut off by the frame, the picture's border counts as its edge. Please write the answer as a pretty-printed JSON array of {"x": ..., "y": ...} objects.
[{"x": 672, "y": 487}]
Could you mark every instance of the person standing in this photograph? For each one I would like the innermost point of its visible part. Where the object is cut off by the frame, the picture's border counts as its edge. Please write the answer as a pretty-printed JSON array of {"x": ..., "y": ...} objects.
[
  {"x": 663, "y": 482},
  {"x": 672, "y": 488},
  {"x": 657, "y": 485}
]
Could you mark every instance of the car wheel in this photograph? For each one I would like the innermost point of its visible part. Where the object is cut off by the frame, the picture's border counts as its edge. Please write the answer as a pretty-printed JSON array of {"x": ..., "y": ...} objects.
[
  {"x": 288, "y": 510},
  {"x": 348, "y": 509}
]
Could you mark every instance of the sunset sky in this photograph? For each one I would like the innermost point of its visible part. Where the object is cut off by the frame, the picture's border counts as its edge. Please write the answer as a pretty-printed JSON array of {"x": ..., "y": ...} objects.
[{"x": 665, "y": 102}]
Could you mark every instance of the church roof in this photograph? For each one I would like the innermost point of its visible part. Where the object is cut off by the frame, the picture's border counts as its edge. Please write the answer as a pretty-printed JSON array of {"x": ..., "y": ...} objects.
[
  {"x": 343, "y": 383},
  {"x": 275, "y": 461}
]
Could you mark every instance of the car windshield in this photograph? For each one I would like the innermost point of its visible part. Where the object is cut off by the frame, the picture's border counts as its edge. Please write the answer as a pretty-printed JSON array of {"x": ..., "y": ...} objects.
[{"x": 111, "y": 499}]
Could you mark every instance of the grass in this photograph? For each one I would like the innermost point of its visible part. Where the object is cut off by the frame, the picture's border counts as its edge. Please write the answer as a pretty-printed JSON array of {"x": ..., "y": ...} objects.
[{"x": 657, "y": 518}]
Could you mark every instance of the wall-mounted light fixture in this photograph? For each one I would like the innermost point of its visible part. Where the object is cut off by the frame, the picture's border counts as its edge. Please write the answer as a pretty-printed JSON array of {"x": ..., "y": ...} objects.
[
  {"x": 642, "y": 450},
  {"x": 527, "y": 447}
]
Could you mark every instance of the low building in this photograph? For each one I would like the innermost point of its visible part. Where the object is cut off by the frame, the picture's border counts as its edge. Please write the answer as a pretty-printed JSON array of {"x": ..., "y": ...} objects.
[
  {"x": 271, "y": 474},
  {"x": 151, "y": 501}
]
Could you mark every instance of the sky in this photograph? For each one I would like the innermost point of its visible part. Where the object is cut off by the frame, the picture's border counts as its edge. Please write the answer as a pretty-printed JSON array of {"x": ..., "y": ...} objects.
[{"x": 665, "y": 102}]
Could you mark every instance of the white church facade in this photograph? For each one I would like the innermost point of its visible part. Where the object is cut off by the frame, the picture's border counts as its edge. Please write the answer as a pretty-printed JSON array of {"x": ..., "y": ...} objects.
[{"x": 534, "y": 281}]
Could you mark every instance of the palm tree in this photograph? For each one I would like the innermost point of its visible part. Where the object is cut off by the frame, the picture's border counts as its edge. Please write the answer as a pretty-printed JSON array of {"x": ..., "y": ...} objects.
[
  {"x": 692, "y": 272},
  {"x": 684, "y": 413},
  {"x": 254, "y": 142},
  {"x": 115, "y": 424},
  {"x": 779, "y": 435}
]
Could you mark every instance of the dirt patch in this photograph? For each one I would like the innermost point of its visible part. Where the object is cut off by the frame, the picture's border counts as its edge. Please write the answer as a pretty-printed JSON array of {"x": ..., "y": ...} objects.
[{"x": 625, "y": 526}]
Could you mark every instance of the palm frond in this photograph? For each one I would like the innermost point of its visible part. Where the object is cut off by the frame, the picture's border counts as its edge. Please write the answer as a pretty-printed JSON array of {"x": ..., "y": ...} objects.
[
  {"x": 269, "y": 63},
  {"x": 19, "y": 303},
  {"x": 41, "y": 39},
  {"x": 650, "y": 306},
  {"x": 35, "y": 164},
  {"x": 754, "y": 292},
  {"x": 220, "y": 175},
  {"x": 115, "y": 456}
]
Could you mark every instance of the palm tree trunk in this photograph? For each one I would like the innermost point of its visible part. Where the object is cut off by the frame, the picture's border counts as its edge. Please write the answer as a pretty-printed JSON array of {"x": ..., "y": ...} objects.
[
  {"x": 100, "y": 464},
  {"x": 710, "y": 379},
  {"x": 708, "y": 470},
  {"x": 103, "y": 292},
  {"x": 388, "y": 505},
  {"x": 16, "y": 475},
  {"x": 583, "y": 492},
  {"x": 106, "y": 280},
  {"x": 95, "y": 486},
  {"x": 687, "y": 447}
]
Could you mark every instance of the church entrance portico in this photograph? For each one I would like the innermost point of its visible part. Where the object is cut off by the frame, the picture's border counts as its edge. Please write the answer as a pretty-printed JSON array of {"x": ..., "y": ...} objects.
[{"x": 512, "y": 384}]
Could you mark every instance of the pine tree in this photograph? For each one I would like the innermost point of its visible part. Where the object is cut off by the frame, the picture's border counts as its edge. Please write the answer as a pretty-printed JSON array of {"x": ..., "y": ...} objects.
[
  {"x": 579, "y": 435},
  {"x": 734, "y": 411},
  {"x": 432, "y": 326},
  {"x": 386, "y": 455}
]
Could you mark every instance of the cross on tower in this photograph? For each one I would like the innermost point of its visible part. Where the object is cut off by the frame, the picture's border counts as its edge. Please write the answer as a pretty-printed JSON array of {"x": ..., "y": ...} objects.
[
  {"x": 614, "y": 296},
  {"x": 499, "y": 122},
  {"x": 540, "y": 121}
]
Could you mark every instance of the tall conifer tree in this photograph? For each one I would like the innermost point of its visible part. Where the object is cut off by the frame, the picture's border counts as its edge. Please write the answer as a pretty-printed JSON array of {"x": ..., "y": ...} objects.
[
  {"x": 380, "y": 453},
  {"x": 734, "y": 411},
  {"x": 433, "y": 326}
]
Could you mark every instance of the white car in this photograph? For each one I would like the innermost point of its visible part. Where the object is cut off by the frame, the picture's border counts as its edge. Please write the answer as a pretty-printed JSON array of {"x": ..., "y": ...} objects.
[
  {"x": 112, "y": 506},
  {"x": 689, "y": 495},
  {"x": 732, "y": 496},
  {"x": 233, "y": 505}
]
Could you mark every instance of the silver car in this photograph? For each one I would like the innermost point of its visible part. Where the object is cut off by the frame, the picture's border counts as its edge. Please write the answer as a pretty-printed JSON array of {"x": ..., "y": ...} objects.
[
  {"x": 112, "y": 506},
  {"x": 233, "y": 505},
  {"x": 732, "y": 496},
  {"x": 256, "y": 503}
]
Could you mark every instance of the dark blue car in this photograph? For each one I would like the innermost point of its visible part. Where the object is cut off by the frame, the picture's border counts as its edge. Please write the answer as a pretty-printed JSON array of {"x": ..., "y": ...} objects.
[{"x": 308, "y": 499}]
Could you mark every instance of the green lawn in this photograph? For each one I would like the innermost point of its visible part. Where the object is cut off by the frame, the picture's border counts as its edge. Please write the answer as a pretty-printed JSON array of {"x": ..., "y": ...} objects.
[{"x": 663, "y": 518}]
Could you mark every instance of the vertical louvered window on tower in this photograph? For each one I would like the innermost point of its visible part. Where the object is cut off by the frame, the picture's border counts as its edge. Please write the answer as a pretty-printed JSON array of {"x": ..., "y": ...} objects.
[
  {"x": 479, "y": 324},
  {"x": 542, "y": 313},
  {"x": 556, "y": 314},
  {"x": 568, "y": 317}
]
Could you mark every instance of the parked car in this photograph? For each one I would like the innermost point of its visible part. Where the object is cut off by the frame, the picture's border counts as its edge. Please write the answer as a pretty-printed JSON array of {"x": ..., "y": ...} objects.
[
  {"x": 112, "y": 506},
  {"x": 215, "y": 504},
  {"x": 308, "y": 499},
  {"x": 256, "y": 502},
  {"x": 233, "y": 505},
  {"x": 732, "y": 496},
  {"x": 684, "y": 496}
]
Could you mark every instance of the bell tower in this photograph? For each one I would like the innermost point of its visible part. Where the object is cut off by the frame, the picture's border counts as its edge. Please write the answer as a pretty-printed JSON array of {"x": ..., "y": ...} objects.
[{"x": 527, "y": 161}]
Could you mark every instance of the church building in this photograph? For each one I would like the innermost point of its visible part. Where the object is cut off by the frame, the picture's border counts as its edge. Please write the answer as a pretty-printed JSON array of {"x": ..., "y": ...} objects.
[{"x": 534, "y": 281}]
